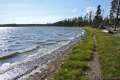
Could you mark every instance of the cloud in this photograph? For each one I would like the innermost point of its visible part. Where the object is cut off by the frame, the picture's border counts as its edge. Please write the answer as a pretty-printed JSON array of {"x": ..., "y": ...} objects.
[
  {"x": 51, "y": 19},
  {"x": 74, "y": 10},
  {"x": 31, "y": 20},
  {"x": 88, "y": 9}
]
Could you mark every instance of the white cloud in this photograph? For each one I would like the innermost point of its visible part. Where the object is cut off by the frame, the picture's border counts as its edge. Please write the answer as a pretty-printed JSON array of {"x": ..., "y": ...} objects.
[
  {"x": 32, "y": 20},
  {"x": 50, "y": 19},
  {"x": 88, "y": 9},
  {"x": 74, "y": 10}
]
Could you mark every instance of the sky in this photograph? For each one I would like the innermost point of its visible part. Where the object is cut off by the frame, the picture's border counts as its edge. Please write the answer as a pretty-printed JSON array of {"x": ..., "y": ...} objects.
[{"x": 46, "y": 11}]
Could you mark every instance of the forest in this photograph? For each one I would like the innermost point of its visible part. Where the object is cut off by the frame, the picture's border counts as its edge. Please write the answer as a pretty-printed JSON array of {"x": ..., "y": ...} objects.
[{"x": 111, "y": 20}]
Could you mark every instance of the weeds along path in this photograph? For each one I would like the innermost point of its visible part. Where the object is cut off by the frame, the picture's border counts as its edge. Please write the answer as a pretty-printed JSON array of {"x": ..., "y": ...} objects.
[{"x": 94, "y": 72}]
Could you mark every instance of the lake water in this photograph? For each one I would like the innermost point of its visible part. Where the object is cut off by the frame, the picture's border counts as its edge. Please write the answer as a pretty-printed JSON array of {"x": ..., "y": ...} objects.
[{"x": 30, "y": 40}]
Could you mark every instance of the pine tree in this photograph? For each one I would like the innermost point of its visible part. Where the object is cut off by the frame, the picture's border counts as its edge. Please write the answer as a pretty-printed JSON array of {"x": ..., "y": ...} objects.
[
  {"x": 98, "y": 17},
  {"x": 106, "y": 21},
  {"x": 90, "y": 17},
  {"x": 115, "y": 12}
]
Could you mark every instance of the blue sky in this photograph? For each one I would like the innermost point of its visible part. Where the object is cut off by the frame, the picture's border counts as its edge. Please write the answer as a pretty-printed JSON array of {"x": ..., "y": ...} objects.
[{"x": 46, "y": 11}]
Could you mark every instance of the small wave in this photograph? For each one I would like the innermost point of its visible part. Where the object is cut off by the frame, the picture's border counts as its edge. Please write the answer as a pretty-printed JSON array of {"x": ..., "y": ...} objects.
[
  {"x": 29, "y": 49},
  {"x": 49, "y": 40},
  {"x": 4, "y": 39},
  {"x": 10, "y": 40},
  {"x": 39, "y": 42},
  {"x": 72, "y": 38},
  {"x": 13, "y": 54},
  {"x": 17, "y": 43},
  {"x": 49, "y": 43},
  {"x": 13, "y": 37}
]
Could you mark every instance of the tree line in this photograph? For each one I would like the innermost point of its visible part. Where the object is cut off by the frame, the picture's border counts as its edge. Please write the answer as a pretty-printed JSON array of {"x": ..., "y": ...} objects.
[{"x": 113, "y": 20}]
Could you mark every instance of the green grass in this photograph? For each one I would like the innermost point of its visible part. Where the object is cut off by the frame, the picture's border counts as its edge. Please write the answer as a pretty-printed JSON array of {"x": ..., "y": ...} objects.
[
  {"x": 108, "y": 48},
  {"x": 76, "y": 63}
]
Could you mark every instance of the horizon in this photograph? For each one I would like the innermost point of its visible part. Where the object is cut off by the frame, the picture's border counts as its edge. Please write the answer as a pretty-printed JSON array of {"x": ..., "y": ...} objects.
[{"x": 46, "y": 11}]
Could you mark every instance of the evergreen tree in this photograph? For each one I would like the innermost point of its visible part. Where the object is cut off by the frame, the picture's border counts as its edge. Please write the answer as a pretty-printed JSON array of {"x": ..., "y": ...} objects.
[
  {"x": 106, "y": 21},
  {"x": 76, "y": 21},
  {"x": 98, "y": 17},
  {"x": 90, "y": 17},
  {"x": 86, "y": 19},
  {"x": 115, "y": 12},
  {"x": 111, "y": 20}
]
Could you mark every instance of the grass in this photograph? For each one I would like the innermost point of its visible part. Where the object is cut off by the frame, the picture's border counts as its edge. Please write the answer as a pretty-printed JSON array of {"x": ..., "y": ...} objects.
[
  {"x": 76, "y": 63},
  {"x": 108, "y": 48}
]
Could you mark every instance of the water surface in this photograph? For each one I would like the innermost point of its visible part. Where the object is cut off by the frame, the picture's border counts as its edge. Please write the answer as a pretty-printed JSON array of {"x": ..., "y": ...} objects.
[{"x": 34, "y": 39}]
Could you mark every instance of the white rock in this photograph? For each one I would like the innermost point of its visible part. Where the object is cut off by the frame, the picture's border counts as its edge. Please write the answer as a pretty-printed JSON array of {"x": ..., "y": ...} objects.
[{"x": 106, "y": 31}]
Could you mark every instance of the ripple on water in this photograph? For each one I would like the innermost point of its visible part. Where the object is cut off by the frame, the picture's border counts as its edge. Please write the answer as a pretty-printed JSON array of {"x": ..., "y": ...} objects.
[{"x": 23, "y": 39}]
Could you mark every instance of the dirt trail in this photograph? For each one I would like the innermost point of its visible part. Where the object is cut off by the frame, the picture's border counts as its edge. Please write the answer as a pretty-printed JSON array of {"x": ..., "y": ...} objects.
[{"x": 94, "y": 73}]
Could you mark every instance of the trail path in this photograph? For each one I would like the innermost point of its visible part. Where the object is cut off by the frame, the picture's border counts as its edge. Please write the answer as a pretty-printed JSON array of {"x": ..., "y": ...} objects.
[{"x": 94, "y": 73}]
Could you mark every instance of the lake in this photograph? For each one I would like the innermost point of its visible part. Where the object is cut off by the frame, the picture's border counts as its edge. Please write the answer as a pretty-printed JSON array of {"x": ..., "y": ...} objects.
[{"x": 31, "y": 40}]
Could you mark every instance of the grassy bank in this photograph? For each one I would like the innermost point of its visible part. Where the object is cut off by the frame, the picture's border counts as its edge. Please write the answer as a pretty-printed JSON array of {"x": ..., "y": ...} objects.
[
  {"x": 76, "y": 63},
  {"x": 108, "y": 48}
]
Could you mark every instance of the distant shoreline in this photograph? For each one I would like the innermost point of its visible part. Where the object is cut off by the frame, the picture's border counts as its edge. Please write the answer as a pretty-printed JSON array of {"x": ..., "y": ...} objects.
[
  {"x": 31, "y": 25},
  {"x": 18, "y": 25}
]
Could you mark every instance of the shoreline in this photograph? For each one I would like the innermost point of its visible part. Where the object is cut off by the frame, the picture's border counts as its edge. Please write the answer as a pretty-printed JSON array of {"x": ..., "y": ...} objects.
[
  {"x": 45, "y": 70},
  {"x": 25, "y": 67}
]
